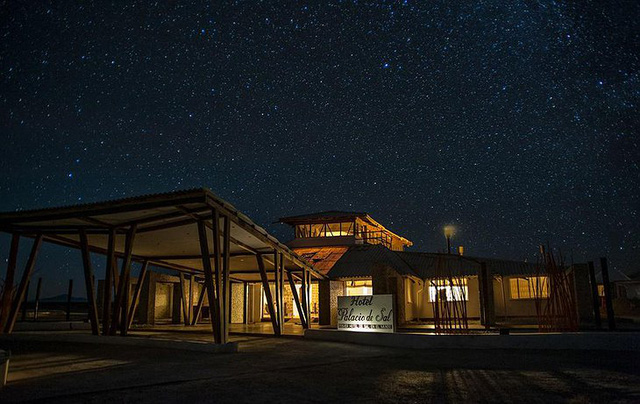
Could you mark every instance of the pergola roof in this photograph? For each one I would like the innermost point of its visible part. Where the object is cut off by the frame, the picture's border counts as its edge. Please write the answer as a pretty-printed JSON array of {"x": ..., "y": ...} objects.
[{"x": 166, "y": 234}]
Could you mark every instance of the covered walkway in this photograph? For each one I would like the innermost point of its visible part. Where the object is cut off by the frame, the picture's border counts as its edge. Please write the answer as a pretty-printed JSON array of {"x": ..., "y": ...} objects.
[{"x": 191, "y": 232}]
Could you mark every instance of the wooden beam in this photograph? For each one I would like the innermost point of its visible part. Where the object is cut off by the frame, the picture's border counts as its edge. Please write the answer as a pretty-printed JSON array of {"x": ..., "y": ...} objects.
[
  {"x": 24, "y": 282},
  {"x": 208, "y": 276},
  {"x": 106, "y": 298},
  {"x": 106, "y": 208},
  {"x": 5, "y": 304},
  {"x": 88, "y": 281},
  {"x": 296, "y": 299},
  {"x": 267, "y": 293},
  {"x": 136, "y": 293},
  {"x": 120, "y": 309}
]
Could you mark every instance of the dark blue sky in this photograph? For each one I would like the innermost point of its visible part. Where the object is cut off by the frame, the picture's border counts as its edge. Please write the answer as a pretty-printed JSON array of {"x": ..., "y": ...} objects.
[{"x": 516, "y": 121}]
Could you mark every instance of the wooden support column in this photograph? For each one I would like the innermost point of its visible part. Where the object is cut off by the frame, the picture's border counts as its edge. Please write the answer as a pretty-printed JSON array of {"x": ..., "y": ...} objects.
[
  {"x": 24, "y": 284},
  {"x": 88, "y": 281},
  {"x": 190, "y": 310},
  {"x": 183, "y": 300},
  {"x": 198, "y": 310},
  {"x": 217, "y": 266},
  {"x": 226, "y": 281},
  {"x": 121, "y": 306},
  {"x": 136, "y": 293},
  {"x": 267, "y": 293},
  {"x": 5, "y": 303},
  {"x": 294, "y": 291},
  {"x": 277, "y": 264},
  {"x": 611, "y": 320},
  {"x": 305, "y": 295},
  {"x": 208, "y": 275},
  {"x": 106, "y": 299},
  {"x": 594, "y": 295}
]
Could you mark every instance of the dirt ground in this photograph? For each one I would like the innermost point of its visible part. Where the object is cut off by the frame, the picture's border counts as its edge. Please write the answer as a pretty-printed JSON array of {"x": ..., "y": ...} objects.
[{"x": 268, "y": 370}]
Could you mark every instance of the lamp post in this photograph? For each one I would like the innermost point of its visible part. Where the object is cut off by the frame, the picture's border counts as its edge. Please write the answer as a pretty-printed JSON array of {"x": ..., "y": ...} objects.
[{"x": 449, "y": 231}]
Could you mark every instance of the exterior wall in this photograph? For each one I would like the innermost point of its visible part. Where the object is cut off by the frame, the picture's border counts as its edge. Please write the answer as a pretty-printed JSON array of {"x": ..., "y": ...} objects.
[
  {"x": 237, "y": 303},
  {"x": 509, "y": 308},
  {"x": 423, "y": 308}
]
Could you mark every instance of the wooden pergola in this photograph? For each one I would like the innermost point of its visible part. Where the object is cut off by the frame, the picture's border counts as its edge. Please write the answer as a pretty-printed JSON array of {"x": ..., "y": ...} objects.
[{"x": 192, "y": 232}]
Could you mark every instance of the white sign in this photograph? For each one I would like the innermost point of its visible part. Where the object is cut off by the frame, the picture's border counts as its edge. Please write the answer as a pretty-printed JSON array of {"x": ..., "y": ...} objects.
[{"x": 366, "y": 313}]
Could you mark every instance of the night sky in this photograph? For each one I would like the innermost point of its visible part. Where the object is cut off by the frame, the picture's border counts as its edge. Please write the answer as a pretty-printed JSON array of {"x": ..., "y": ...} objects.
[{"x": 516, "y": 121}]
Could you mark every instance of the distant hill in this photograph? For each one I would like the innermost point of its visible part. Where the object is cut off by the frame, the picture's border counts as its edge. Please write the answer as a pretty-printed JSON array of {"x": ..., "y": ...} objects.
[{"x": 61, "y": 299}]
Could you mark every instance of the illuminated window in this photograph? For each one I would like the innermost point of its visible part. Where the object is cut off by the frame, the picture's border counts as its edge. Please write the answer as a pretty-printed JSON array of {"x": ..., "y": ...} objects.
[
  {"x": 358, "y": 288},
  {"x": 529, "y": 288},
  {"x": 601, "y": 290},
  {"x": 449, "y": 290},
  {"x": 324, "y": 230}
]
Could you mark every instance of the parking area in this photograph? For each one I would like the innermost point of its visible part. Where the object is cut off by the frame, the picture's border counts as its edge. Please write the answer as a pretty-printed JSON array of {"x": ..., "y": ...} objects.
[{"x": 269, "y": 369}]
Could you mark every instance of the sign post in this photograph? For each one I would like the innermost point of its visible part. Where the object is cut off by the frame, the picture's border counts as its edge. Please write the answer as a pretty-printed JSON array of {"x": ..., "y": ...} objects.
[{"x": 373, "y": 313}]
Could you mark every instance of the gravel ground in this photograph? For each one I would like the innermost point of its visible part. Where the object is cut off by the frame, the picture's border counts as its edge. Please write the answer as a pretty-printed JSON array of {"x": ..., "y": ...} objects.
[{"x": 296, "y": 370}]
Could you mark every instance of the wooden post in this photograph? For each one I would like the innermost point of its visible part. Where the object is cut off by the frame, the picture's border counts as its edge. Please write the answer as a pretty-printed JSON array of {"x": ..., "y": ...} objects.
[
  {"x": 121, "y": 306},
  {"x": 24, "y": 284},
  {"x": 69, "y": 294},
  {"x": 208, "y": 275},
  {"x": 26, "y": 301},
  {"x": 226, "y": 280},
  {"x": 109, "y": 276},
  {"x": 309, "y": 278},
  {"x": 88, "y": 281},
  {"x": 278, "y": 289},
  {"x": 267, "y": 293},
  {"x": 136, "y": 293},
  {"x": 37, "y": 302},
  {"x": 183, "y": 300},
  {"x": 305, "y": 295},
  {"x": 296, "y": 299},
  {"x": 607, "y": 293},
  {"x": 7, "y": 295},
  {"x": 190, "y": 311},
  {"x": 594, "y": 295},
  {"x": 217, "y": 253},
  {"x": 198, "y": 309}
]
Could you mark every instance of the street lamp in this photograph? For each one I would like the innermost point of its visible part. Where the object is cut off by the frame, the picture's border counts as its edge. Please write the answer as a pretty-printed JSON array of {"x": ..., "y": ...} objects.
[{"x": 449, "y": 232}]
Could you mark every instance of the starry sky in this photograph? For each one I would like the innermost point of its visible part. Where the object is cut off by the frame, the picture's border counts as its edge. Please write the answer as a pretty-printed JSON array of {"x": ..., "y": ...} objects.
[{"x": 516, "y": 121}]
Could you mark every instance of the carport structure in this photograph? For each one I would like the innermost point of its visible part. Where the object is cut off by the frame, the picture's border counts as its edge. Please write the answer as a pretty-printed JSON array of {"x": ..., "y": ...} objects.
[{"x": 192, "y": 232}]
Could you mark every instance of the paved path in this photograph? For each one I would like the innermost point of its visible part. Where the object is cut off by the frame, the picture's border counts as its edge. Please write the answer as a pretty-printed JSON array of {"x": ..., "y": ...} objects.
[{"x": 297, "y": 370}]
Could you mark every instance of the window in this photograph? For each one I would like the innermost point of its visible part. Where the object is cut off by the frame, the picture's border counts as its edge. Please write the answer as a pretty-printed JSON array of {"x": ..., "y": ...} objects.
[
  {"x": 324, "y": 230},
  {"x": 529, "y": 288},
  {"x": 449, "y": 290},
  {"x": 358, "y": 288}
]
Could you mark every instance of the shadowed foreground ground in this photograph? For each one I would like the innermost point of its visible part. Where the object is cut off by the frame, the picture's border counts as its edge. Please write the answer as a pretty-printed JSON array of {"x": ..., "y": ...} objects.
[{"x": 295, "y": 370}]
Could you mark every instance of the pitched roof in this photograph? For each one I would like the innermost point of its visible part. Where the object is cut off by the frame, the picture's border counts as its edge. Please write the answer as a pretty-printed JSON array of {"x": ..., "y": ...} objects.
[
  {"x": 360, "y": 260},
  {"x": 326, "y": 215},
  {"x": 322, "y": 258}
]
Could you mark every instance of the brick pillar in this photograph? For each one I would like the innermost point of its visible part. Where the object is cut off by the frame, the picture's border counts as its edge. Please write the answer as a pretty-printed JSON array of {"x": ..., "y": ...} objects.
[{"x": 328, "y": 292}]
